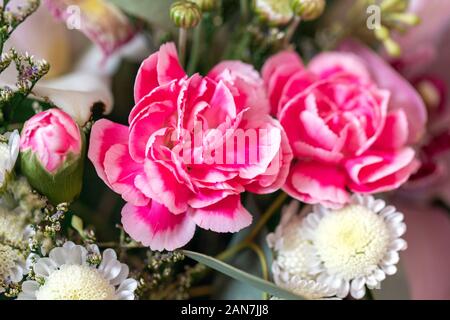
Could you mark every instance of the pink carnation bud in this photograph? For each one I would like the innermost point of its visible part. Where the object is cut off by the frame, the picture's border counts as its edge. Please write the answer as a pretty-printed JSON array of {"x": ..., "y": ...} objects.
[{"x": 51, "y": 147}]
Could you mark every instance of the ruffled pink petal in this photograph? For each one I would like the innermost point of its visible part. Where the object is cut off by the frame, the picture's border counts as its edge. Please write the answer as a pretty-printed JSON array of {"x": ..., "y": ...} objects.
[
  {"x": 169, "y": 67},
  {"x": 404, "y": 96},
  {"x": 205, "y": 197},
  {"x": 275, "y": 176},
  {"x": 261, "y": 147},
  {"x": 276, "y": 72},
  {"x": 297, "y": 83},
  {"x": 221, "y": 106},
  {"x": 245, "y": 84},
  {"x": 160, "y": 68},
  {"x": 395, "y": 132},
  {"x": 238, "y": 69},
  {"x": 329, "y": 64},
  {"x": 121, "y": 170},
  {"x": 427, "y": 259},
  {"x": 227, "y": 215},
  {"x": 275, "y": 61},
  {"x": 277, "y": 83},
  {"x": 104, "y": 135},
  {"x": 156, "y": 227},
  {"x": 381, "y": 171},
  {"x": 146, "y": 78},
  {"x": 317, "y": 183},
  {"x": 160, "y": 184}
]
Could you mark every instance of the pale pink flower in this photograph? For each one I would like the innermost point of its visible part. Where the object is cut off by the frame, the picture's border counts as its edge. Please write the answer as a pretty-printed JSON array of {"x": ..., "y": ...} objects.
[
  {"x": 53, "y": 136},
  {"x": 427, "y": 259},
  {"x": 350, "y": 120},
  {"x": 102, "y": 22},
  {"x": 161, "y": 163}
]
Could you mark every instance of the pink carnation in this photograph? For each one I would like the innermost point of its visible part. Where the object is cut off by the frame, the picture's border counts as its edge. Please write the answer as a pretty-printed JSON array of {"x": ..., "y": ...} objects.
[
  {"x": 53, "y": 136},
  {"x": 172, "y": 164},
  {"x": 350, "y": 120}
]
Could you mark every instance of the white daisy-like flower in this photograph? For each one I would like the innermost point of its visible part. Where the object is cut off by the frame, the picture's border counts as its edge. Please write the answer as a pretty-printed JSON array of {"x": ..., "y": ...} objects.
[
  {"x": 344, "y": 250},
  {"x": 8, "y": 156},
  {"x": 293, "y": 252},
  {"x": 67, "y": 275}
]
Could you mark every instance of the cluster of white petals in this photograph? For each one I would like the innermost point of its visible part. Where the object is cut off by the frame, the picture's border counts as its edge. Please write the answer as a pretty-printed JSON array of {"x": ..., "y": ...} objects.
[
  {"x": 339, "y": 252},
  {"x": 67, "y": 275}
]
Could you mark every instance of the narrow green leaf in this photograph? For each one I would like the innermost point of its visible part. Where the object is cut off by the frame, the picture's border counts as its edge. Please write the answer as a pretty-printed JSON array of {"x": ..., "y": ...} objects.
[{"x": 243, "y": 276}]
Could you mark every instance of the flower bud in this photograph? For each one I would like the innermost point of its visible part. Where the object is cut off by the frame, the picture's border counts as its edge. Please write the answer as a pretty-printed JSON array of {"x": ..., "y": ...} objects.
[
  {"x": 274, "y": 12},
  {"x": 52, "y": 148},
  {"x": 308, "y": 9},
  {"x": 206, "y": 5},
  {"x": 185, "y": 14}
]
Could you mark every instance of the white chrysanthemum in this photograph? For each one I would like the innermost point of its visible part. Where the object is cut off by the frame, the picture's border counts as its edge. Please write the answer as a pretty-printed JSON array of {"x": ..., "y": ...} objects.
[
  {"x": 293, "y": 253},
  {"x": 66, "y": 275},
  {"x": 8, "y": 156},
  {"x": 346, "y": 249}
]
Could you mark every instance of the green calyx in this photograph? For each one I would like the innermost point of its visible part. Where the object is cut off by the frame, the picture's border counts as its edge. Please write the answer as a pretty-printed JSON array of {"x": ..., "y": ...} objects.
[{"x": 63, "y": 185}]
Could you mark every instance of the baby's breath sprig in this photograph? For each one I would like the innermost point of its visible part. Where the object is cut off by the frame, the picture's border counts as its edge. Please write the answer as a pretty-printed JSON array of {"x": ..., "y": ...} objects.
[
  {"x": 29, "y": 69},
  {"x": 11, "y": 18}
]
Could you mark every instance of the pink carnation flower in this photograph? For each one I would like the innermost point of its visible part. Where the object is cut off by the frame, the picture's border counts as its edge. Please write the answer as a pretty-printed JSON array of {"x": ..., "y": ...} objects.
[
  {"x": 174, "y": 165},
  {"x": 350, "y": 120},
  {"x": 53, "y": 136}
]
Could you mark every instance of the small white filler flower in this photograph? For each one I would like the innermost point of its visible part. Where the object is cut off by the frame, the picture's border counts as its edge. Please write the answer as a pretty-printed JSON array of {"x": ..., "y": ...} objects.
[
  {"x": 67, "y": 275},
  {"x": 8, "y": 155},
  {"x": 14, "y": 238},
  {"x": 344, "y": 250}
]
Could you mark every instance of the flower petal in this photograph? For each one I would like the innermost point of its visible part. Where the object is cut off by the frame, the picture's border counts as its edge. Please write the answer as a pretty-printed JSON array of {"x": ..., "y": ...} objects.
[
  {"x": 102, "y": 22},
  {"x": 404, "y": 96},
  {"x": 313, "y": 183},
  {"x": 121, "y": 171},
  {"x": 104, "y": 135},
  {"x": 157, "y": 227},
  {"x": 160, "y": 68},
  {"x": 227, "y": 215}
]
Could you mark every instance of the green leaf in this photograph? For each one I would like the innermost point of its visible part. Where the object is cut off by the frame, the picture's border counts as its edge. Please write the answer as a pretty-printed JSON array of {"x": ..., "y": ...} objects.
[
  {"x": 77, "y": 224},
  {"x": 243, "y": 276},
  {"x": 156, "y": 12}
]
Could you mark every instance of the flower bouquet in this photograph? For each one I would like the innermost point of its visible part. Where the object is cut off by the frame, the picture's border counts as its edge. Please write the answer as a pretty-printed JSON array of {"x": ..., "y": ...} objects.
[{"x": 234, "y": 149}]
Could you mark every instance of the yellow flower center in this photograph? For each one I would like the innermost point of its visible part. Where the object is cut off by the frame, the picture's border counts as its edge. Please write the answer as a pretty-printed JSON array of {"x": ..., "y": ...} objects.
[
  {"x": 351, "y": 241},
  {"x": 75, "y": 282}
]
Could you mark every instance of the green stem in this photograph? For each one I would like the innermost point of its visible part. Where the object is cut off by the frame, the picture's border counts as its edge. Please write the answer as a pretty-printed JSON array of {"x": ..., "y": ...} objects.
[
  {"x": 263, "y": 262},
  {"x": 195, "y": 50},
  {"x": 291, "y": 30},
  {"x": 182, "y": 41},
  {"x": 256, "y": 229},
  {"x": 266, "y": 216},
  {"x": 244, "y": 10}
]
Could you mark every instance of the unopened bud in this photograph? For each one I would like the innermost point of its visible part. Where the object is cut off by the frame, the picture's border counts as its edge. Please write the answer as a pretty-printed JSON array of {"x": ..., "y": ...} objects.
[
  {"x": 185, "y": 14},
  {"x": 308, "y": 9}
]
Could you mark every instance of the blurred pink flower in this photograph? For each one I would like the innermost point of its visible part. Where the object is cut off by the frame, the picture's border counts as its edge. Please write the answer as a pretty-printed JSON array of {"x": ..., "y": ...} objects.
[
  {"x": 427, "y": 259},
  {"x": 350, "y": 120},
  {"x": 424, "y": 62},
  {"x": 171, "y": 164},
  {"x": 102, "y": 22},
  {"x": 53, "y": 136}
]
